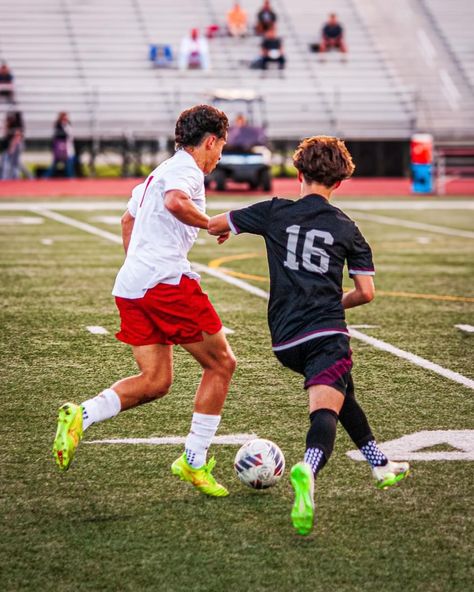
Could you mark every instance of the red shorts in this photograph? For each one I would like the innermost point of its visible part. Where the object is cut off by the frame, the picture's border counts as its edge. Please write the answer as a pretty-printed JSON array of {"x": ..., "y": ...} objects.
[{"x": 167, "y": 314}]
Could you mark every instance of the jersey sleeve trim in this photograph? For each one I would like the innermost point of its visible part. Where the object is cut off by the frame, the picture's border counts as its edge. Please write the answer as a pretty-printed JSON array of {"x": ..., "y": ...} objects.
[
  {"x": 361, "y": 271},
  {"x": 233, "y": 227}
]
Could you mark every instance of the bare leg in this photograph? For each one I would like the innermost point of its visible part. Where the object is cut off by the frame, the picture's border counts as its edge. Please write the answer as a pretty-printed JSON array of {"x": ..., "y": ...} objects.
[
  {"x": 218, "y": 362},
  {"x": 325, "y": 397},
  {"x": 156, "y": 375}
]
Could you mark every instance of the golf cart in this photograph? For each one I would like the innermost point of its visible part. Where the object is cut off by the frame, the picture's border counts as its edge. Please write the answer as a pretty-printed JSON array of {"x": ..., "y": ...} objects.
[{"x": 246, "y": 158}]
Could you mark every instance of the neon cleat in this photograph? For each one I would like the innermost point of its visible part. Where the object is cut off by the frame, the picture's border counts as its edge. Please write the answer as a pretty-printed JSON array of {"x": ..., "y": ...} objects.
[
  {"x": 201, "y": 478},
  {"x": 390, "y": 474},
  {"x": 302, "y": 513},
  {"x": 68, "y": 434}
]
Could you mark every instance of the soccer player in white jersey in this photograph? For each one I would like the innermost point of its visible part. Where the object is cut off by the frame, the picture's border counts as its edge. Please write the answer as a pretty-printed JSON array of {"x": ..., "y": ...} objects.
[
  {"x": 161, "y": 303},
  {"x": 308, "y": 243}
]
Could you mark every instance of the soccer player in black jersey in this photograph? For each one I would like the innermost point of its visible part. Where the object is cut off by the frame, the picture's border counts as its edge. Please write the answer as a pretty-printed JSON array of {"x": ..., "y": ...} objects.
[{"x": 308, "y": 243}]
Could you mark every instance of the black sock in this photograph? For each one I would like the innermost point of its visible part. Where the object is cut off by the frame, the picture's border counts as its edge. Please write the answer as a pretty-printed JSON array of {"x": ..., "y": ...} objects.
[
  {"x": 320, "y": 438},
  {"x": 354, "y": 421}
]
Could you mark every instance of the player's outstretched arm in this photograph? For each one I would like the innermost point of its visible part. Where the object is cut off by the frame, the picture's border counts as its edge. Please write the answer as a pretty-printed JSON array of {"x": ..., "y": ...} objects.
[
  {"x": 182, "y": 207},
  {"x": 218, "y": 225},
  {"x": 363, "y": 291}
]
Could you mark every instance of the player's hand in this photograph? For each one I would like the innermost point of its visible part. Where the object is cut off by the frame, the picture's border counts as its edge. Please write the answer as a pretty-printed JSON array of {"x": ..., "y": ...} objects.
[{"x": 222, "y": 238}]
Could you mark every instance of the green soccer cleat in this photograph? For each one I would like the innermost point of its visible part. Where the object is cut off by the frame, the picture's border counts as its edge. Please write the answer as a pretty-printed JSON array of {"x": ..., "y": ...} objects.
[
  {"x": 390, "y": 474},
  {"x": 68, "y": 434},
  {"x": 201, "y": 478},
  {"x": 302, "y": 513}
]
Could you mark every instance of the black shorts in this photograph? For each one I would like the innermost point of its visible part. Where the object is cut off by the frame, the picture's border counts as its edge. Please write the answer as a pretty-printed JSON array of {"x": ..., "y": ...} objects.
[{"x": 324, "y": 360}]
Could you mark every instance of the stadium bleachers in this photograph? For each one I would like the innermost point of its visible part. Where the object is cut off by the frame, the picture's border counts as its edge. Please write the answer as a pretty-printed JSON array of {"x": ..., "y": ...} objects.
[
  {"x": 453, "y": 20},
  {"x": 89, "y": 60},
  {"x": 421, "y": 60}
]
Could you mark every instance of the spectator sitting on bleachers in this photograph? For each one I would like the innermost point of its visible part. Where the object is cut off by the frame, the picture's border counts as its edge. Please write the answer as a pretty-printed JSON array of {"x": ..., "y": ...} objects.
[
  {"x": 266, "y": 18},
  {"x": 237, "y": 21},
  {"x": 194, "y": 52},
  {"x": 161, "y": 56},
  {"x": 12, "y": 147},
  {"x": 63, "y": 146},
  {"x": 7, "y": 87},
  {"x": 332, "y": 36},
  {"x": 242, "y": 136},
  {"x": 272, "y": 50}
]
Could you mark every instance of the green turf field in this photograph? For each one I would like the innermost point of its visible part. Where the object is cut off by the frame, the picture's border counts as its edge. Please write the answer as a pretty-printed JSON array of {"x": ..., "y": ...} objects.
[{"x": 119, "y": 521}]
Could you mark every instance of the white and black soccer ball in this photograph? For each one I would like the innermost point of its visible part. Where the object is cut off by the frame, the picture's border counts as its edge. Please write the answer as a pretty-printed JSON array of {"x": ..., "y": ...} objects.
[{"x": 259, "y": 463}]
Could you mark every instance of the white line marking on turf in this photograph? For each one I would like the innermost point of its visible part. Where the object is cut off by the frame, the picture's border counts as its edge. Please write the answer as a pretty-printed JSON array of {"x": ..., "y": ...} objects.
[
  {"x": 457, "y": 204},
  {"x": 262, "y": 294},
  {"x": 112, "y": 220},
  {"x": 11, "y": 220},
  {"x": 231, "y": 280},
  {"x": 410, "y": 447},
  {"x": 467, "y": 328},
  {"x": 228, "y": 331},
  {"x": 97, "y": 330},
  {"x": 414, "y": 359},
  {"x": 363, "y": 326},
  {"x": 368, "y": 205},
  {"x": 423, "y": 240},
  {"x": 47, "y": 241},
  {"x": 81, "y": 225},
  {"x": 410, "y": 224},
  {"x": 166, "y": 440}
]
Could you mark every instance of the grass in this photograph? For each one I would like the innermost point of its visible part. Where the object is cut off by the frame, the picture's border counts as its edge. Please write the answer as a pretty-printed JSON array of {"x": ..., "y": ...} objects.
[{"x": 119, "y": 521}]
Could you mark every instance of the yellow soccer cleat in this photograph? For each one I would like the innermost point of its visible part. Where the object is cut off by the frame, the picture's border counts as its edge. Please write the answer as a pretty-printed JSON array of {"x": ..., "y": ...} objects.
[
  {"x": 302, "y": 513},
  {"x": 68, "y": 434},
  {"x": 201, "y": 478}
]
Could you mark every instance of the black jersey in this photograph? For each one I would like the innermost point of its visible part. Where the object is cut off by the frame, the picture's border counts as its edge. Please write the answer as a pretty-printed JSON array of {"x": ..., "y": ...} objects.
[{"x": 308, "y": 242}]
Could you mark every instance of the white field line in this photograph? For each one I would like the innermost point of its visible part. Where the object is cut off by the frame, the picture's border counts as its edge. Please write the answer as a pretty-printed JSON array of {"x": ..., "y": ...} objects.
[
  {"x": 414, "y": 359},
  {"x": 13, "y": 220},
  {"x": 411, "y": 446},
  {"x": 97, "y": 330},
  {"x": 226, "y": 439},
  {"x": 80, "y": 225},
  {"x": 353, "y": 204},
  {"x": 467, "y": 328},
  {"x": 418, "y": 225}
]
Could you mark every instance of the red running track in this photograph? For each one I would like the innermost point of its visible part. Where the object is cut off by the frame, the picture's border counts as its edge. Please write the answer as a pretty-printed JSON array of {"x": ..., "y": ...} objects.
[{"x": 91, "y": 188}]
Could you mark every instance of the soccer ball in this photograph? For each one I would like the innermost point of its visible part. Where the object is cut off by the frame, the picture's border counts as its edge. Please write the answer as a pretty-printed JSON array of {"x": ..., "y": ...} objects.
[{"x": 259, "y": 463}]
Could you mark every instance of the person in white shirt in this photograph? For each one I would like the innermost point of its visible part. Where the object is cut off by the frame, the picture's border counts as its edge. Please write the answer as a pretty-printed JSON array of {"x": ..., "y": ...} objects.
[
  {"x": 194, "y": 52},
  {"x": 161, "y": 303}
]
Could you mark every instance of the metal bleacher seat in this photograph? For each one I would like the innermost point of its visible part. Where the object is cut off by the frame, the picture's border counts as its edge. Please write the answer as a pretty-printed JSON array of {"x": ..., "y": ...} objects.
[
  {"x": 92, "y": 61},
  {"x": 453, "y": 20}
]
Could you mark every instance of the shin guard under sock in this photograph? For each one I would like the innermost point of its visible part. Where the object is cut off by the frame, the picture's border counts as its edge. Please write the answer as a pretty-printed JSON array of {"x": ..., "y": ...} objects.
[{"x": 320, "y": 438}]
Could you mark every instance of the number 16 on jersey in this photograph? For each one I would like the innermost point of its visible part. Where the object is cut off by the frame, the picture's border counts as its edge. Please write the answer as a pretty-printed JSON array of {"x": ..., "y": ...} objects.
[{"x": 309, "y": 250}]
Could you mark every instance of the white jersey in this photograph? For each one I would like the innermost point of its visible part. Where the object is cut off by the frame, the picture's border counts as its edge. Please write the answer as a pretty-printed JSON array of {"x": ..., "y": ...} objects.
[{"x": 159, "y": 245}]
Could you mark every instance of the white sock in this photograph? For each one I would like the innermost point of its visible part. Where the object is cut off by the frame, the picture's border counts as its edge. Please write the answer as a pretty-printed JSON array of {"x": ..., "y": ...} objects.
[
  {"x": 104, "y": 406},
  {"x": 203, "y": 429}
]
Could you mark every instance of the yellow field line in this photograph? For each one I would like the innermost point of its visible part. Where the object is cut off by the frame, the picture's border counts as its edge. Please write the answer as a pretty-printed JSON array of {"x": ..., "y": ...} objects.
[
  {"x": 426, "y": 296},
  {"x": 218, "y": 262},
  {"x": 260, "y": 278}
]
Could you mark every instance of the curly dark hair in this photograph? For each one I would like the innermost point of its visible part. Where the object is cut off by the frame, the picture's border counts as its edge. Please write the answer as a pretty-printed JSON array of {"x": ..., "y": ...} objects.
[
  {"x": 324, "y": 160},
  {"x": 195, "y": 123}
]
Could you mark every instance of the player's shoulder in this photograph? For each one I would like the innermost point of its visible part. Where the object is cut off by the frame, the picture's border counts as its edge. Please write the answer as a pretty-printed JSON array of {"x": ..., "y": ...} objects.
[
  {"x": 281, "y": 202},
  {"x": 341, "y": 215}
]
